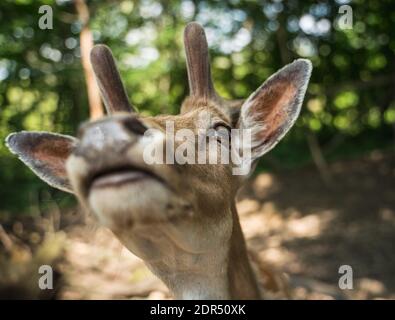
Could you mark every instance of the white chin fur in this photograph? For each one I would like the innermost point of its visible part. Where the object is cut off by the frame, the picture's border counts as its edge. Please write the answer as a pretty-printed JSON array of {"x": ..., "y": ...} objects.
[{"x": 122, "y": 206}]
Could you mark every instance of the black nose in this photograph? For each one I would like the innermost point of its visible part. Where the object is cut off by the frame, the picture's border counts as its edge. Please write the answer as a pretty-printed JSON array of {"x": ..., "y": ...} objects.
[{"x": 134, "y": 125}]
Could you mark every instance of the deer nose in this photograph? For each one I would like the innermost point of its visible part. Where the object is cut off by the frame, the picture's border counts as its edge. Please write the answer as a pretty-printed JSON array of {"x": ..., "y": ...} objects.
[
  {"x": 108, "y": 136},
  {"x": 134, "y": 125}
]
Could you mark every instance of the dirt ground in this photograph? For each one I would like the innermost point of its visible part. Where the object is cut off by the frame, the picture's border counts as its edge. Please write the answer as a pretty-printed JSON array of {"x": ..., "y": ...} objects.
[{"x": 295, "y": 223}]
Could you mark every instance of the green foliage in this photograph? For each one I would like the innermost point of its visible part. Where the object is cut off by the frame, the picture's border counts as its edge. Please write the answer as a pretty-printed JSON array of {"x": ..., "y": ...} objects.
[{"x": 350, "y": 98}]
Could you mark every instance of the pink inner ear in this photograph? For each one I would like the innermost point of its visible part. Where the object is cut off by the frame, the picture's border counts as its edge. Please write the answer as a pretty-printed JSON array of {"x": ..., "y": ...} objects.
[
  {"x": 271, "y": 106},
  {"x": 53, "y": 154}
]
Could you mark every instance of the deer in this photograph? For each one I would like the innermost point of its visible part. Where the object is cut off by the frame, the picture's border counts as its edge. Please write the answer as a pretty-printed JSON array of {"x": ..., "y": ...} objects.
[{"x": 180, "y": 219}]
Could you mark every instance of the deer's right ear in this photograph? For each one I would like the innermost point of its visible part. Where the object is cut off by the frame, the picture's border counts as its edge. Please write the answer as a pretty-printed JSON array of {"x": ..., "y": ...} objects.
[{"x": 45, "y": 154}]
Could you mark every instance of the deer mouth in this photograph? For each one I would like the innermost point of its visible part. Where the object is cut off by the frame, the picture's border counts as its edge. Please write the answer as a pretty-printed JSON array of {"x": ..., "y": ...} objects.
[{"x": 116, "y": 177}]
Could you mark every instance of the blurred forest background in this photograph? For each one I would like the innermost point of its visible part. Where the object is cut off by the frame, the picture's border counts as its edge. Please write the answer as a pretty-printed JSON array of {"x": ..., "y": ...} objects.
[{"x": 346, "y": 130}]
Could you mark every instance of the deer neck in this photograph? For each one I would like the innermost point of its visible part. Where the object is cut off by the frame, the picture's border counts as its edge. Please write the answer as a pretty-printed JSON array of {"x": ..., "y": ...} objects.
[
  {"x": 242, "y": 281},
  {"x": 221, "y": 272}
]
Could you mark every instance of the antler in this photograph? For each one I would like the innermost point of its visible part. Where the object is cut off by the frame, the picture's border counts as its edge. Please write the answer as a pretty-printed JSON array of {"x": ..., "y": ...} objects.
[
  {"x": 199, "y": 72},
  {"x": 198, "y": 64},
  {"x": 109, "y": 80}
]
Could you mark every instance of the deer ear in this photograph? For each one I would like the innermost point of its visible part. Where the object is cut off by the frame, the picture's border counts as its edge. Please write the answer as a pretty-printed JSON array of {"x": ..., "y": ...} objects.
[
  {"x": 45, "y": 154},
  {"x": 274, "y": 107}
]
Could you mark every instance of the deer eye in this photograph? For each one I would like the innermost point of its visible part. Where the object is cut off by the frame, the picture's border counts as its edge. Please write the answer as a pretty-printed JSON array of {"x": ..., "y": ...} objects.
[
  {"x": 221, "y": 131},
  {"x": 222, "y": 128}
]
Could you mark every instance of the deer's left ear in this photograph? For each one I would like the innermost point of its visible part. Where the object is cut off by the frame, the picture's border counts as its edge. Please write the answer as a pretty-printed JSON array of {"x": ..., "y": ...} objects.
[
  {"x": 274, "y": 107},
  {"x": 45, "y": 154}
]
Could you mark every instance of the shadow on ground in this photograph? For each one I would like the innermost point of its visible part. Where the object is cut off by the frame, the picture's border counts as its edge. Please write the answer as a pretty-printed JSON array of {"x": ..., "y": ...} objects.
[{"x": 309, "y": 230}]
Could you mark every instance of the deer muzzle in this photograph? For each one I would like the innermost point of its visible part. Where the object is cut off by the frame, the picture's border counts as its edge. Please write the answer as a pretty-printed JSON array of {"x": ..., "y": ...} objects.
[{"x": 104, "y": 149}]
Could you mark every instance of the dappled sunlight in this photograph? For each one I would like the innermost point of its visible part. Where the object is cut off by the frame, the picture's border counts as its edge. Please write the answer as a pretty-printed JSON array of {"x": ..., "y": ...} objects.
[
  {"x": 263, "y": 184},
  {"x": 309, "y": 226},
  {"x": 308, "y": 230},
  {"x": 98, "y": 266},
  {"x": 277, "y": 256},
  {"x": 266, "y": 219},
  {"x": 387, "y": 215},
  {"x": 369, "y": 288},
  {"x": 247, "y": 206}
]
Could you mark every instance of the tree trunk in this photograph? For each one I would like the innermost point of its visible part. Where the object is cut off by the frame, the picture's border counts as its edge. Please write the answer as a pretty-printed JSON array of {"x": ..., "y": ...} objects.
[{"x": 86, "y": 44}]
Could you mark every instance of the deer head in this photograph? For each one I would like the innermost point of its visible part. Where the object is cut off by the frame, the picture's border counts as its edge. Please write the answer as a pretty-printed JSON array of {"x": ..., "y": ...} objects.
[{"x": 180, "y": 218}]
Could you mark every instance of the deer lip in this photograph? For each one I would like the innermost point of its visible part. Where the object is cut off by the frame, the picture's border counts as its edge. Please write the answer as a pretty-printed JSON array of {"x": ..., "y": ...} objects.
[{"x": 119, "y": 176}]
